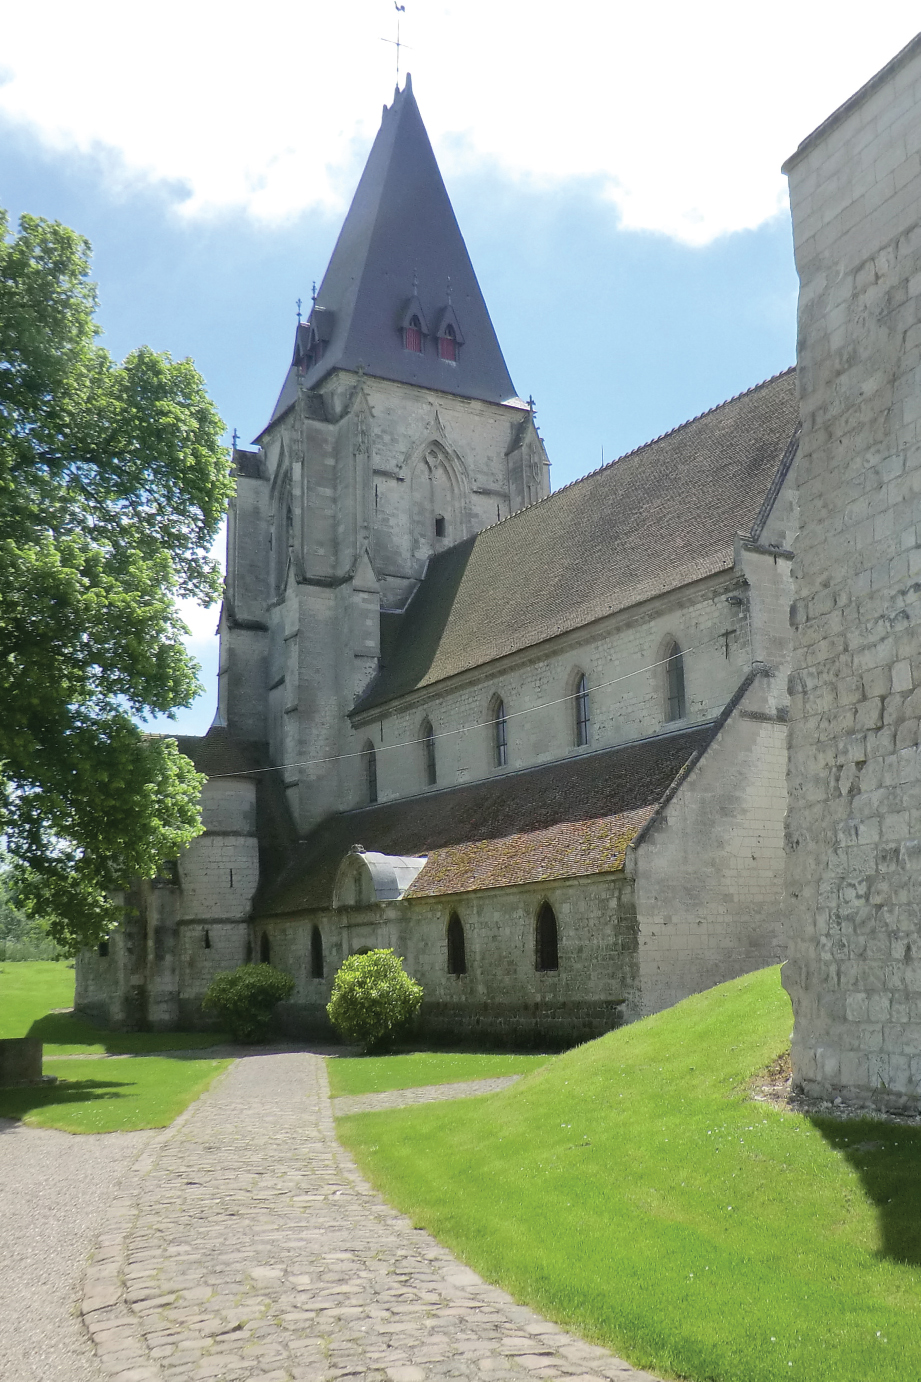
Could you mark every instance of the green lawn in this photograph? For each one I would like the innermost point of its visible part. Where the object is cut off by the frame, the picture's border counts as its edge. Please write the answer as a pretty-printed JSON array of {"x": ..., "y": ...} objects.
[
  {"x": 373, "y": 1074},
  {"x": 693, "y": 1231},
  {"x": 30, "y": 991},
  {"x": 111, "y": 1095}
]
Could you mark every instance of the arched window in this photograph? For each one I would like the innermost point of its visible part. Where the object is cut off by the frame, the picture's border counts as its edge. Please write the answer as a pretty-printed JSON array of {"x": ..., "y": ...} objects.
[
  {"x": 457, "y": 952},
  {"x": 412, "y": 337},
  {"x": 428, "y": 753},
  {"x": 316, "y": 953},
  {"x": 500, "y": 733},
  {"x": 440, "y": 525},
  {"x": 447, "y": 344},
  {"x": 370, "y": 757},
  {"x": 546, "y": 949},
  {"x": 582, "y": 714},
  {"x": 265, "y": 950},
  {"x": 674, "y": 683}
]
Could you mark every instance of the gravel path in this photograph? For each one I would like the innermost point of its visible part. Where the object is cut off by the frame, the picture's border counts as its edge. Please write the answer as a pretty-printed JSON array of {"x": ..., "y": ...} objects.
[
  {"x": 419, "y": 1094},
  {"x": 244, "y": 1247},
  {"x": 54, "y": 1192}
]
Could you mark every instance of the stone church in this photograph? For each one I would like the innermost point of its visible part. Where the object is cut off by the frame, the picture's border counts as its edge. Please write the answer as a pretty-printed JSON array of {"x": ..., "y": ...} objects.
[{"x": 534, "y": 741}]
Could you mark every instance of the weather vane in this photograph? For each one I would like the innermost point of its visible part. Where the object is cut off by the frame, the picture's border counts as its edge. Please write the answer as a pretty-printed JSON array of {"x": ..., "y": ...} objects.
[{"x": 400, "y": 9}]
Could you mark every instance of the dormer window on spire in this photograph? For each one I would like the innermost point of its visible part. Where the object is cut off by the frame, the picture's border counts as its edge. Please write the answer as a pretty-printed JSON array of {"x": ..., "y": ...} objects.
[
  {"x": 447, "y": 345},
  {"x": 412, "y": 335}
]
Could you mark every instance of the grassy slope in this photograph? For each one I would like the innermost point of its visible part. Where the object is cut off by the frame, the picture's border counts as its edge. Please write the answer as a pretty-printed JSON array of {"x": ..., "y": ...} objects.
[
  {"x": 32, "y": 989},
  {"x": 374, "y": 1074},
  {"x": 693, "y": 1231},
  {"x": 111, "y": 1095}
]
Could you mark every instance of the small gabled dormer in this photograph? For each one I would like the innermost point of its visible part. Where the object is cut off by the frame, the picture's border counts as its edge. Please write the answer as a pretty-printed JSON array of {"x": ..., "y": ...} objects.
[
  {"x": 412, "y": 323},
  {"x": 448, "y": 334},
  {"x": 312, "y": 338}
]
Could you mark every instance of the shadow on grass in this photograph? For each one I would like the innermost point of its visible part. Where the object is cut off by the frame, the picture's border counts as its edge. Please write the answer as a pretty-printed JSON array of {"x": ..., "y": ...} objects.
[
  {"x": 16, "y": 1103},
  {"x": 887, "y": 1157},
  {"x": 65, "y": 1029}
]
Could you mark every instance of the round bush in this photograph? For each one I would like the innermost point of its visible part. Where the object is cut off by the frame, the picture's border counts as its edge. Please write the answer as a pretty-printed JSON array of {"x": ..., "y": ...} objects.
[
  {"x": 245, "y": 998},
  {"x": 372, "y": 998}
]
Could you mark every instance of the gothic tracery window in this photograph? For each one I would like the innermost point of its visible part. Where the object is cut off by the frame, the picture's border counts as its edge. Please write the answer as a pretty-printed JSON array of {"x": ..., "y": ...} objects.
[{"x": 676, "y": 708}]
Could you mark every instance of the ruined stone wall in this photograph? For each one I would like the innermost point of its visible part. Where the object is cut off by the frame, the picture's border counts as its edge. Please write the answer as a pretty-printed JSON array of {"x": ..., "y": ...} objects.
[{"x": 854, "y": 824}]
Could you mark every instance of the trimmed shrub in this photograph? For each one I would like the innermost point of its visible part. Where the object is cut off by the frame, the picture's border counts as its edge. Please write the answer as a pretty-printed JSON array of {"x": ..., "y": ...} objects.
[
  {"x": 372, "y": 998},
  {"x": 245, "y": 998}
]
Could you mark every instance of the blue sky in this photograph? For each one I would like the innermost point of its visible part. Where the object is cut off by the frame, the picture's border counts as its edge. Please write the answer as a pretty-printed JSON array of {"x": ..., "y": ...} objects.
[{"x": 621, "y": 198}]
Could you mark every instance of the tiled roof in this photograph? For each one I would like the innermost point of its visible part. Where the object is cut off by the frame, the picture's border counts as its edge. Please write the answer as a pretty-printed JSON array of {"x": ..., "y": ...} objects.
[
  {"x": 658, "y": 518},
  {"x": 563, "y": 820},
  {"x": 218, "y": 753}
]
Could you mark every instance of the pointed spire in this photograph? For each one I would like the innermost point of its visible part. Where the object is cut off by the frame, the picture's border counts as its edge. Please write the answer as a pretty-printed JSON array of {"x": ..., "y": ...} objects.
[{"x": 401, "y": 229}]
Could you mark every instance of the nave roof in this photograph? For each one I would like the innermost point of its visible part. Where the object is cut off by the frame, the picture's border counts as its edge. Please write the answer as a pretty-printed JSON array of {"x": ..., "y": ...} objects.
[{"x": 656, "y": 519}]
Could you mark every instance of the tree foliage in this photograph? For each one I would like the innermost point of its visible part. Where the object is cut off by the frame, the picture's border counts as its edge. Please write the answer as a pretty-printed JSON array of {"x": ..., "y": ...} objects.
[
  {"x": 245, "y": 998},
  {"x": 113, "y": 483},
  {"x": 372, "y": 998}
]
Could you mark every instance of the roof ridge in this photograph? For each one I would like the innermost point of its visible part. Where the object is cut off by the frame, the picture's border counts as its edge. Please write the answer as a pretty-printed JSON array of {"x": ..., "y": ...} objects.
[{"x": 608, "y": 465}]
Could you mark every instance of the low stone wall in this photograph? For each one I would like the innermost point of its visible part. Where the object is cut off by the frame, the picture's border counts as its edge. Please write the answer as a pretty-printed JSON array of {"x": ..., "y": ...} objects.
[{"x": 20, "y": 1060}]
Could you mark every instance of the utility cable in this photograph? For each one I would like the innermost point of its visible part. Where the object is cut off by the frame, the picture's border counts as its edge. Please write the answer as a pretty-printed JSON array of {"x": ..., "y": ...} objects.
[{"x": 481, "y": 724}]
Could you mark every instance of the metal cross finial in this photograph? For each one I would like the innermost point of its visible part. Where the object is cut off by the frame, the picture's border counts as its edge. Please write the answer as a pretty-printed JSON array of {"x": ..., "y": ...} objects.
[
  {"x": 298, "y": 310},
  {"x": 449, "y": 290},
  {"x": 236, "y": 438},
  {"x": 531, "y": 407},
  {"x": 400, "y": 9},
  {"x": 313, "y": 292}
]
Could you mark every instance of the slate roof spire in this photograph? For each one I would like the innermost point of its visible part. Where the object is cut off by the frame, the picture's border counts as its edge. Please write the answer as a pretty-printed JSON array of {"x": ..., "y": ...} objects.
[{"x": 400, "y": 224}]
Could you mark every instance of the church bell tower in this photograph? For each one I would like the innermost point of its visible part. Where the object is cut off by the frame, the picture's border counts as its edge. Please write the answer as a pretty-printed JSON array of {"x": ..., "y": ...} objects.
[{"x": 397, "y": 433}]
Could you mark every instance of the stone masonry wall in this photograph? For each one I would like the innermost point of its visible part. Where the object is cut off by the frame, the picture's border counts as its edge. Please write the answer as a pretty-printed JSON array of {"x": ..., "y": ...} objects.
[
  {"x": 709, "y": 874},
  {"x": 502, "y": 998},
  {"x": 627, "y": 690},
  {"x": 854, "y": 825}
]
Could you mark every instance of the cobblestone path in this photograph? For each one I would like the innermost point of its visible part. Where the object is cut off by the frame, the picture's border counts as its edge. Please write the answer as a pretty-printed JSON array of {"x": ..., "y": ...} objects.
[
  {"x": 244, "y": 1245},
  {"x": 420, "y": 1094}
]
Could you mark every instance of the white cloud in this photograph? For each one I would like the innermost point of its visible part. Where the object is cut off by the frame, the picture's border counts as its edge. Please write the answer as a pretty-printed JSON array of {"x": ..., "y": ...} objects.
[{"x": 684, "y": 112}]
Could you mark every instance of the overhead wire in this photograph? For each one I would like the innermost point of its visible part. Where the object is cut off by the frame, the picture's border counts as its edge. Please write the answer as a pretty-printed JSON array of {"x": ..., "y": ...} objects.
[{"x": 480, "y": 724}]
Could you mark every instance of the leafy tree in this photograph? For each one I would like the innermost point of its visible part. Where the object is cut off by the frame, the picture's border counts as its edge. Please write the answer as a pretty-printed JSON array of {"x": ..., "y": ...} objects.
[
  {"x": 113, "y": 484},
  {"x": 245, "y": 998},
  {"x": 372, "y": 998}
]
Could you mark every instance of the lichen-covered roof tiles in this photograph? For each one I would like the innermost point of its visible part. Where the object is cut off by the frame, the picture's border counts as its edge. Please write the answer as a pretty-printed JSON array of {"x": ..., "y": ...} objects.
[
  {"x": 564, "y": 820},
  {"x": 659, "y": 518}
]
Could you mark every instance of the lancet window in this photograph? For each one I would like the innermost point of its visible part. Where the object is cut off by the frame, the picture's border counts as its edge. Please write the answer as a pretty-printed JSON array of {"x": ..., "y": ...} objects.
[
  {"x": 429, "y": 765},
  {"x": 676, "y": 707},
  {"x": 546, "y": 945},
  {"x": 457, "y": 951},
  {"x": 412, "y": 335},
  {"x": 500, "y": 733},
  {"x": 582, "y": 710}
]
